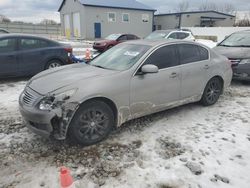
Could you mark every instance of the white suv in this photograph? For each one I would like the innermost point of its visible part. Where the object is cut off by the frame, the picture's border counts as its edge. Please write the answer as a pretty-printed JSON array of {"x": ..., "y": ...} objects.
[{"x": 172, "y": 34}]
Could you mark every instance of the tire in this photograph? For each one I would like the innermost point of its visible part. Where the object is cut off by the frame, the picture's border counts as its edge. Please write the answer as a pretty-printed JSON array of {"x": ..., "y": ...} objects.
[
  {"x": 53, "y": 64},
  {"x": 212, "y": 92},
  {"x": 92, "y": 123}
]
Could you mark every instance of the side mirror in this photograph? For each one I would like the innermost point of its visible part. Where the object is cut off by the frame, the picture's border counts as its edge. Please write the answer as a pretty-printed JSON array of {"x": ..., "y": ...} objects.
[{"x": 146, "y": 69}]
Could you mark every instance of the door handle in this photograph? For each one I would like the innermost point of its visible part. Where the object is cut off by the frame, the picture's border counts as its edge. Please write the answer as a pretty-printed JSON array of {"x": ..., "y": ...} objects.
[
  {"x": 206, "y": 67},
  {"x": 173, "y": 75},
  {"x": 10, "y": 56}
]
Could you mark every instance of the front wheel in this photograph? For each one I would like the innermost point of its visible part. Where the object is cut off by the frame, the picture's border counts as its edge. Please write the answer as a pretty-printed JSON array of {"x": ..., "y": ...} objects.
[
  {"x": 212, "y": 92},
  {"x": 92, "y": 123}
]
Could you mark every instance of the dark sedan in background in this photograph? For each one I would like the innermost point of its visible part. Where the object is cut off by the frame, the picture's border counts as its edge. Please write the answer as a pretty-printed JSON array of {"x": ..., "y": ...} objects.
[
  {"x": 113, "y": 40},
  {"x": 25, "y": 55},
  {"x": 236, "y": 48}
]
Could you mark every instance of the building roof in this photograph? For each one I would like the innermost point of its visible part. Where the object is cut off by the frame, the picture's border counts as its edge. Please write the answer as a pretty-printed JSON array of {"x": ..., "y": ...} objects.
[
  {"x": 195, "y": 12},
  {"x": 123, "y": 4}
]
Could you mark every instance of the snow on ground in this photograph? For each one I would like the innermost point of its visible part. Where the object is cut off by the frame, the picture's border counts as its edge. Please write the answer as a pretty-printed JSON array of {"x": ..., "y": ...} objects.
[{"x": 187, "y": 147}]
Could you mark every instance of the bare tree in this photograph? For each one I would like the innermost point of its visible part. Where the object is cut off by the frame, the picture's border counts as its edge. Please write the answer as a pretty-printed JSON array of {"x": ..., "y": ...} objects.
[
  {"x": 183, "y": 6},
  {"x": 208, "y": 6},
  {"x": 245, "y": 22},
  {"x": 48, "y": 22},
  {"x": 4, "y": 19},
  {"x": 228, "y": 8}
]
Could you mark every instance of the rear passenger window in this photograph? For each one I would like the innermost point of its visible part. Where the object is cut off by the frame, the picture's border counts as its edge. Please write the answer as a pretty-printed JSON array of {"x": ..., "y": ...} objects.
[
  {"x": 131, "y": 37},
  {"x": 44, "y": 44},
  {"x": 182, "y": 35},
  {"x": 7, "y": 45},
  {"x": 164, "y": 57},
  {"x": 26, "y": 44},
  {"x": 122, "y": 38},
  {"x": 203, "y": 53},
  {"x": 189, "y": 53}
]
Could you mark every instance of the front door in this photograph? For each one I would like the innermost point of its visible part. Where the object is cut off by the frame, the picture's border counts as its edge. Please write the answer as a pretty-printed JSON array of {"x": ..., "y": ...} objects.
[
  {"x": 154, "y": 92},
  {"x": 8, "y": 57},
  {"x": 98, "y": 30}
]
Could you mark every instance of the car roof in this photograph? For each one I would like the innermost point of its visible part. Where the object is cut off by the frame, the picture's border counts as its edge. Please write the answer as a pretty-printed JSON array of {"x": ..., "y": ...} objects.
[
  {"x": 171, "y": 30},
  {"x": 22, "y": 35},
  {"x": 160, "y": 42}
]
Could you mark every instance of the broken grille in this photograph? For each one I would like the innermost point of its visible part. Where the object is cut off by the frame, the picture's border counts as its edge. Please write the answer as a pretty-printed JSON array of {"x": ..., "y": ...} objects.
[{"x": 29, "y": 98}]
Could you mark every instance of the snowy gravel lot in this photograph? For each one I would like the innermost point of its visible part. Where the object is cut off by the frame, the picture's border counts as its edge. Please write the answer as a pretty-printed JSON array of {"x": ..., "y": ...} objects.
[{"x": 186, "y": 147}]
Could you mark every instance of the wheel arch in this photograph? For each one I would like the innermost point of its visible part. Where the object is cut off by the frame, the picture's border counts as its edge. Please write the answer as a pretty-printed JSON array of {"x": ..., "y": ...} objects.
[
  {"x": 51, "y": 59},
  {"x": 221, "y": 79},
  {"x": 107, "y": 101}
]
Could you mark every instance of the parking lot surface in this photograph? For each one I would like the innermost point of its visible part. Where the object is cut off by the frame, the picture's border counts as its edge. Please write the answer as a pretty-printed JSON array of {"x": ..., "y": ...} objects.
[{"x": 189, "y": 146}]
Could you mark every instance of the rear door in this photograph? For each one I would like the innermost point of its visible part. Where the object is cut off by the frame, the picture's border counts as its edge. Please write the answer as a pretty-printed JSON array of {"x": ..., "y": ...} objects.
[
  {"x": 8, "y": 57},
  {"x": 195, "y": 67},
  {"x": 31, "y": 55},
  {"x": 153, "y": 92}
]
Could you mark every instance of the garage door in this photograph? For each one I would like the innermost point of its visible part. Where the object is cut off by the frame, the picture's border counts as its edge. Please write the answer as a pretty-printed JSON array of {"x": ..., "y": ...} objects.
[
  {"x": 67, "y": 25},
  {"x": 76, "y": 24}
]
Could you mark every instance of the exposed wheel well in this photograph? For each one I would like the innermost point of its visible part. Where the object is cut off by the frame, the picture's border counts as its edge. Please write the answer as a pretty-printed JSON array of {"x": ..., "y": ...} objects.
[
  {"x": 53, "y": 59},
  {"x": 107, "y": 101},
  {"x": 221, "y": 79}
]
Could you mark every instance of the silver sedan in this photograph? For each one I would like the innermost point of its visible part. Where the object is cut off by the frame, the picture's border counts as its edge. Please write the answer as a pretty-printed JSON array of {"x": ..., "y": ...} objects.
[{"x": 86, "y": 101}]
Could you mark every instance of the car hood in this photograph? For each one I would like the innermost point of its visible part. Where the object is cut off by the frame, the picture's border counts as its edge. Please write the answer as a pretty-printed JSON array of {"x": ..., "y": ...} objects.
[
  {"x": 233, "y": 52},
  {"x": 57, "y": 78}
]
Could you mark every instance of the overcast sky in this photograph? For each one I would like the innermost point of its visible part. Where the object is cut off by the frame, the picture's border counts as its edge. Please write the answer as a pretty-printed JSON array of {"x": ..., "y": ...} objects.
[{"x": 36, "y": 10}]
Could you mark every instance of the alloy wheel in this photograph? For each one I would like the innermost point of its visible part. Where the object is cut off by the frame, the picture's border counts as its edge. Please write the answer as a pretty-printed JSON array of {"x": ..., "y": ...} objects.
[{"x": 92, "y": 124}]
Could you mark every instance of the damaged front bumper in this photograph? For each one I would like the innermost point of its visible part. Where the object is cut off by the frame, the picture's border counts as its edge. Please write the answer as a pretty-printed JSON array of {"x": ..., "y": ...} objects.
[{"x": 52, "y": 123}]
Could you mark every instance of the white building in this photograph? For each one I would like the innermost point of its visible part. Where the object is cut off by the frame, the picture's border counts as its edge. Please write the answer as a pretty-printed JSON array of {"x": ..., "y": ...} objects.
[{"x": 91, "y": 19}]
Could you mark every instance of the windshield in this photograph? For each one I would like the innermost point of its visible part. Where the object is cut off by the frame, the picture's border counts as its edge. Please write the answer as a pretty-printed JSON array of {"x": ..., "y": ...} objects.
[
  {"x": 157, "y": 35},
  {"x": 113, "y": 37},
  {"x": 120, "y": 57},
  {"x": 237, "y": 40}
]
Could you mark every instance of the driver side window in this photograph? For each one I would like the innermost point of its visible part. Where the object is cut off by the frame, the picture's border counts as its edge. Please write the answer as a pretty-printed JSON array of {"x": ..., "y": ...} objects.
[{"x": 164, "y": 57}]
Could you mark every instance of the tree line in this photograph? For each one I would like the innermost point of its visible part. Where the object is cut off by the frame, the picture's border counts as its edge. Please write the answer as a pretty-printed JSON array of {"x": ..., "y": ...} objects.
[{"x": 5, "y": 19}]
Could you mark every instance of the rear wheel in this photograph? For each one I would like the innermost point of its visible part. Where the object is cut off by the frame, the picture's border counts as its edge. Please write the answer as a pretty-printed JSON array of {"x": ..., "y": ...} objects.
[
  {"x": 53, "y": 64},
  {"x": 212, "y": 92},
  {"x": 92, "y": 123}
]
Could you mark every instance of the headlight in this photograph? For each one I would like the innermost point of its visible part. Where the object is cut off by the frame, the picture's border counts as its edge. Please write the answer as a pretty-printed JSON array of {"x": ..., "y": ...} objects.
[
  {"x": 245, "y": 61},
  {"x": 49, "y": 102},
  {"x": 65, "y": 95},
  {"x": 46, "y": 104}
]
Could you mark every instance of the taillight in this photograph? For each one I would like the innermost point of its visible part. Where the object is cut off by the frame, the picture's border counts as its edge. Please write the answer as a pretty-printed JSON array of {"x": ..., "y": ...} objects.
[{"x": 69, "y": 50}]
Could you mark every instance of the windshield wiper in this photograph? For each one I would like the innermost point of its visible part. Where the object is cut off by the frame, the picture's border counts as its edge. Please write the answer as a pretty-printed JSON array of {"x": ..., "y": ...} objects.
[
  {"x": 99, "y": 66},
  {"x": 225, "y": 45},
  {"x": 242, "y": 46}
]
